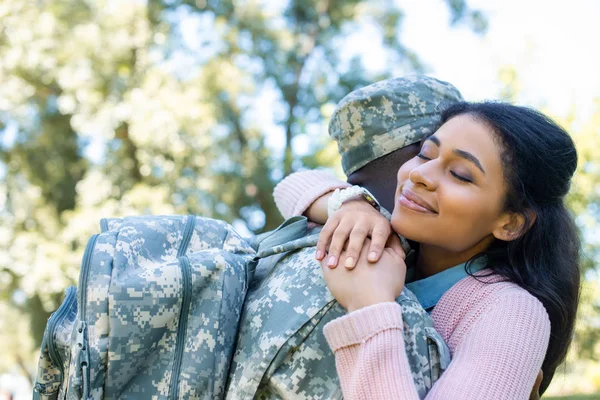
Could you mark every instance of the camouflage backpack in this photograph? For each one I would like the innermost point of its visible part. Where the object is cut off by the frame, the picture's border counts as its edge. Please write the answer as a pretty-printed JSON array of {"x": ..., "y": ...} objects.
[
  {"x": 155, "y": 314},
  {"x": 157, "y": 309}
]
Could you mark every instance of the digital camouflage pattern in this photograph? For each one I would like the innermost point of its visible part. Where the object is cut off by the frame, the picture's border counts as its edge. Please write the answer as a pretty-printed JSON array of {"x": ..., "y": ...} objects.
[
  {"x": 159, "y": 304},
  {"x": 49, "y": 377},
  {"x": 281, "y": 351},
  {"x": 54, "y": 354},
  {"x": 157, "y": 312},
  {"x": 377, "y": 119}
]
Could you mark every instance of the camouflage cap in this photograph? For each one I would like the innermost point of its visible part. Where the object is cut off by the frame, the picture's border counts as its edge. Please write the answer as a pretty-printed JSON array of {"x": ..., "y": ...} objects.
[{"x": 375, "y": 120}]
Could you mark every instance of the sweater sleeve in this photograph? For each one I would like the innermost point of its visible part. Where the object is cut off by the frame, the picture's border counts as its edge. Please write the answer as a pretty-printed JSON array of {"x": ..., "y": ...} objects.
[
  {"x": 299, "y": 190},
  {"x": 369, "y": 353},
  {"x": 498, "y": 357}
]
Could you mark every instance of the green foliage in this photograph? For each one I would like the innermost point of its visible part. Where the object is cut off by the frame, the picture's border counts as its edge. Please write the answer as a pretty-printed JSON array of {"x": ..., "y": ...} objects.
[
  {"x": 581, "y": 372},
  {"x": 576, "y": 397}
]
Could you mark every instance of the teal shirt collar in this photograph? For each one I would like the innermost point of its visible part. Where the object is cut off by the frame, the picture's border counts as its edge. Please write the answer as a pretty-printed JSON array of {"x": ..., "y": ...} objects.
[{"x": 429, "y": 290}]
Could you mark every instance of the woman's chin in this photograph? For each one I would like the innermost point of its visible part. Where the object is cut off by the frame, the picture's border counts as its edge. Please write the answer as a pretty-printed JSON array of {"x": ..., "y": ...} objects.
[
  {"x": 401, "y": 227},
  {"x": 410, "y": 226}
]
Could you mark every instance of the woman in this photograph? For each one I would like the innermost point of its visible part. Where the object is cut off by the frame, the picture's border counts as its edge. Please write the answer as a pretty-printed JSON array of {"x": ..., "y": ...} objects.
[{"x": 489, "y": 187}]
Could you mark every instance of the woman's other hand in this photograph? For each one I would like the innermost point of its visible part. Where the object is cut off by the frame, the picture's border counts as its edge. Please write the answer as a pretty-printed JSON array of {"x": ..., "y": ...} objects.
[
  {"x": 347, "y": 229},
  {"x": 368, "y": 283}
]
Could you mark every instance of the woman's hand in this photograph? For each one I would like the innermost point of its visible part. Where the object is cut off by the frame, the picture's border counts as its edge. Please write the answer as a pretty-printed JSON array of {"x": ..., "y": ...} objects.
[
  {"x": 368, "y": 283},
  {"x": 354, "y": 222}
]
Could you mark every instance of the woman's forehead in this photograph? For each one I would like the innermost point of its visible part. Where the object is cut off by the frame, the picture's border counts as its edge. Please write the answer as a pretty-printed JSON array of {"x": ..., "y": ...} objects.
[{"x": 466, "y": 133}]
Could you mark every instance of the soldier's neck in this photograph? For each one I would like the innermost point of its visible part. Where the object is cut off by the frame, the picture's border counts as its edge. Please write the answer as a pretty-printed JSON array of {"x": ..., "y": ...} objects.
[{"x": 379, "y": 176}]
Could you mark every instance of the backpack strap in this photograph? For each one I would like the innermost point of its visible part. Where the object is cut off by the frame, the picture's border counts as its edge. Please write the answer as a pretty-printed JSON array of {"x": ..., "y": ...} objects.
[{"x": 290, "y": 235}]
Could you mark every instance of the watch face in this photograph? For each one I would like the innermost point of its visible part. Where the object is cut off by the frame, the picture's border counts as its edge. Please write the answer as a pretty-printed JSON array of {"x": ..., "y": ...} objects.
[{"x": 368, "y": 197}]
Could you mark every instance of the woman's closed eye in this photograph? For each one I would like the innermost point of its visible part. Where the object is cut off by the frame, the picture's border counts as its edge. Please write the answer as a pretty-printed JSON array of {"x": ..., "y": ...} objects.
[
  {"x": 458, "y": 176},
  {"x": 461, "y": 178}
]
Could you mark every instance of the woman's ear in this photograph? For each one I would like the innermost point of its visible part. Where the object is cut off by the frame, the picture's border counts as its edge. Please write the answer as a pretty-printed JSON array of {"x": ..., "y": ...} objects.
[{"x": 512, "y": 225}]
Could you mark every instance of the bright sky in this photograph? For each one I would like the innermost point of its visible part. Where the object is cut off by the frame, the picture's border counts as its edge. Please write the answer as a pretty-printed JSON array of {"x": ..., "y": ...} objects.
[{"x": 552, "y": 44}]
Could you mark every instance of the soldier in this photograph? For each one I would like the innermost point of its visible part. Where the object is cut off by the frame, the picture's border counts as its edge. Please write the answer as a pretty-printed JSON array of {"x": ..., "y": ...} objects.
[{"x": 281, "y": 351}]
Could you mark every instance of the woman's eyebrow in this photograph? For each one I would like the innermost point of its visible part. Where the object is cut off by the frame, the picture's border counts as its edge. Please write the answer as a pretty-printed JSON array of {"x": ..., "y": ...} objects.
[
  {"x": 461, "y": 153},
  {"x": 469, "y": 157}
]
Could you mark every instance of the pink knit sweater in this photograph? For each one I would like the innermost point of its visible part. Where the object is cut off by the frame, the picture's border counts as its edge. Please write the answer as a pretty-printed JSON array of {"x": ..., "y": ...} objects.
[{"x": 497, "y": 332}]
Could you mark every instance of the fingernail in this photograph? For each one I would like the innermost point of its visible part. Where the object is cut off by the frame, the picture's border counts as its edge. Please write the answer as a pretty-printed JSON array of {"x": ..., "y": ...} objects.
[
  {"x": 332, "y": 261},
  {"x": 349, "y": 262},
  {"x": 319, "y": 255},
  {"x": 372, "y": 255}
]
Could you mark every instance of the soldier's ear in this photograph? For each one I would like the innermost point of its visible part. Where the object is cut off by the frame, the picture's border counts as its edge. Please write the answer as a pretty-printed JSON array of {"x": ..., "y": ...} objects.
[{"x": 512, "y": 225}]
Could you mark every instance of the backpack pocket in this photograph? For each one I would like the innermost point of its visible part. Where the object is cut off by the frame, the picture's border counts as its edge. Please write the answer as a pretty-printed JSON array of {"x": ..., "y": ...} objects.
[
  {"x": 55, "y": 351},
  {"x": 210, "y": 321}
]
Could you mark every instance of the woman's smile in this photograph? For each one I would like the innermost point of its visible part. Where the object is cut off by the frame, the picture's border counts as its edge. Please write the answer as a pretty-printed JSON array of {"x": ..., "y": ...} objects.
[{"x": 410, "y": 200}]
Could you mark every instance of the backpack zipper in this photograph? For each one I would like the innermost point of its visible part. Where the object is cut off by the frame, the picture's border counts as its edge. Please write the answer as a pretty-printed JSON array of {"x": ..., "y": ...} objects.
[
  {"x": 181, "y": 329},
  {"x": 187, "y": 235},
  {"x": 82, "y": 328},
  {"x": 186, "y": 274},
  {"x": 83, "y": 357},
  {"x": 56, "y": 319},
  {"x": 83, "y": 278}
]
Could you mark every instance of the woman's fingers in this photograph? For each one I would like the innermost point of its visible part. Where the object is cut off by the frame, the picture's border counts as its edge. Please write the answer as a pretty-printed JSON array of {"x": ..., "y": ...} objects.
[
  {"x": 325, "y": 237},
  {"x": 338, "y": 241},
  {"x": 355, "y": 244},
  {"x": 347, "y": 229},
  {"x": 379, "y": 236},
  {"x": 395, "y": 245}
]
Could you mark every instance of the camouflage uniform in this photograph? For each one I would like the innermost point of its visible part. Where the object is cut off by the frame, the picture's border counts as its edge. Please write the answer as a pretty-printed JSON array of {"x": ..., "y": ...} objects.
[
  {"x": 281, "y": 350},
  {"x": 157, "y": 310}
]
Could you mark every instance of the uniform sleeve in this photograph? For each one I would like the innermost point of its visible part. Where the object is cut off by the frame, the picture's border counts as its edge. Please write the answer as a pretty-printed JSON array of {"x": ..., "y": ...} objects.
[
  {"x": 299, "y": 190},
  {"x": 498, "y": 357}
]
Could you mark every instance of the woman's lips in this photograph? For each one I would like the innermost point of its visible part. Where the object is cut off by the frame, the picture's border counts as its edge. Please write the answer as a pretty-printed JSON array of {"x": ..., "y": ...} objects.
[{"x": 411, "y": 201}]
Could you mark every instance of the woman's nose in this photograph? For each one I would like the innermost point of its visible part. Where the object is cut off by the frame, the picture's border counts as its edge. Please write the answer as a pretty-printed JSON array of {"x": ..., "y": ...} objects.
[{"x": 423, "y": 176}]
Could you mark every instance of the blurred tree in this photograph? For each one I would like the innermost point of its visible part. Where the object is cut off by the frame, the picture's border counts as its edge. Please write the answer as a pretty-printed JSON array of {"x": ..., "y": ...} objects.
[
  {"x": 164, "y": 106},
  {"x": 584, "y": 201},
  {"x": 508, "y": 77},
  {"x": 581, "y": 372}
]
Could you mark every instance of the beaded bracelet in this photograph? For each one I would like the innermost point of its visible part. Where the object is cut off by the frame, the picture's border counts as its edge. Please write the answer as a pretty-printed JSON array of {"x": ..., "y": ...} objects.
[{"x": 339, "y": 197}]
